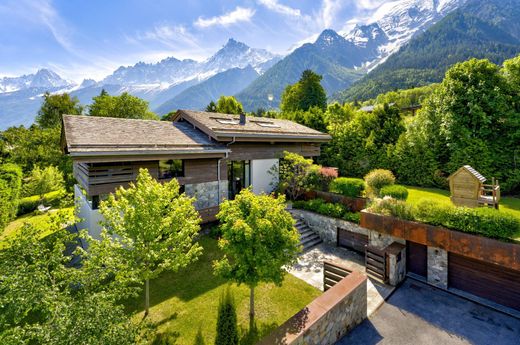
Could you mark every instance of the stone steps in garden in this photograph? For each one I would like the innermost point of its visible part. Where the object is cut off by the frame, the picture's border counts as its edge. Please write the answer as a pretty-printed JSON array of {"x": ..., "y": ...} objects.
[{"x": 308, "y": 238}]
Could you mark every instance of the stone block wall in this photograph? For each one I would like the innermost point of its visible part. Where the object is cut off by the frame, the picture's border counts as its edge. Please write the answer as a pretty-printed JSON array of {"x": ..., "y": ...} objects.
[
  {"x": 381, "y": 241},
  {"x": 327, "y": 227},
  {"x": 328, "y": 318},
  {"x": 207, "y": 193},
  {"x": 438, "y": 267}
]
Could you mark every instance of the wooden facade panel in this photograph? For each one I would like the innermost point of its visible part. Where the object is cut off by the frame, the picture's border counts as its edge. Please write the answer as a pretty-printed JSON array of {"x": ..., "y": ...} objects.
[
  {"x": 248, "y": 151},
  {"x": 352, "y": 240},
  {"x": 203, "y": 170},
  {"x": 490, "y": 281},
  {"x": 417, "y": 258}
]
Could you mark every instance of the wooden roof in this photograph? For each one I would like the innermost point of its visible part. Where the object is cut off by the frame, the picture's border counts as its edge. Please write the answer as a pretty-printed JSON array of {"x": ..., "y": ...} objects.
[
  {"x": 472, "y": 171},
  {"x": 227, "y": 127},
  {"x": 92, "y": 135}
]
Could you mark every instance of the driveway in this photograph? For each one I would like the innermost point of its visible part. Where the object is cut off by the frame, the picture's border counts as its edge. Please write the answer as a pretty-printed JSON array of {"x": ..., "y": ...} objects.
[{"x": 419, "y": 314}]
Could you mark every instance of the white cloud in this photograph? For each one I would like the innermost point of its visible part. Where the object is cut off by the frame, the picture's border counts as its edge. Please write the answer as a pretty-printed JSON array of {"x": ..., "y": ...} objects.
[
  {"x": 275, "y": 6},
  {"x": 328, "y": 12},
  {"x": 170, "y": 35},
  {"x": 369, "y": 4},
  {"x": 239, "y": 14}
]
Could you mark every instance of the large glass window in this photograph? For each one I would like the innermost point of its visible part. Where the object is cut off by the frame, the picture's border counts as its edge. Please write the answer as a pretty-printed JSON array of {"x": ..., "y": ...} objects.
[
  {"x": 239, "y": 177},
  {"x": 171, "y": 168}
]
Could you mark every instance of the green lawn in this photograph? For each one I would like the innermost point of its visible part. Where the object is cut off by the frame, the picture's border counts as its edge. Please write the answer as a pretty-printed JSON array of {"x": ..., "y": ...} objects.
[
  {"x": 416, "y": 194},
  {"x": 40, "y": 220},
  {"x": 188, "y": 300}
]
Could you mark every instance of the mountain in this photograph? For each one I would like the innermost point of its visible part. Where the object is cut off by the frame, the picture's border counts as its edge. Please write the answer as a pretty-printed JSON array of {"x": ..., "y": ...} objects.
[
  {"x": 479, "y": 29},
  {"x": 330, "y": 55},
  {"x": 43, "y": 78},
  {"x": 198, "y": 96}
]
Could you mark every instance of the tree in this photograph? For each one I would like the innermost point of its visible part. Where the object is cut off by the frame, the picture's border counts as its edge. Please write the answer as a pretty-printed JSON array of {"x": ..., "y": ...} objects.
[
  {"x": 54, "y": 107},
  {"x": 227, "y": 331},
  {"x": 123, "y": 106},
  {"x": 305, "y": 94},
  {"x": 211, "y": 107},
  {"x": 258, "y": 240},
  {"x": 156, "y": 224},
  {"x": 44, "y": 299},
  {"x": 295, "y": 174},
  {"x": 10, "y": 186},
  {"x": 229, "y": 105},
  {"x": 43, "y": 181}
]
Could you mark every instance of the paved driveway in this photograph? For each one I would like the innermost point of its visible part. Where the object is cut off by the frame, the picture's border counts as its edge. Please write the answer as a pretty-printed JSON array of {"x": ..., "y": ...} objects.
[{"x": 420, "y": 314}]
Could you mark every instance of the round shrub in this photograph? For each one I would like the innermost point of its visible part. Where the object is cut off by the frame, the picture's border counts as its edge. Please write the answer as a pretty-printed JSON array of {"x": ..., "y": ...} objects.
[
  {"x": 395, "y": 191},
  {"x": 377, "y": 179},
  {"x": 351, "y": 187}
]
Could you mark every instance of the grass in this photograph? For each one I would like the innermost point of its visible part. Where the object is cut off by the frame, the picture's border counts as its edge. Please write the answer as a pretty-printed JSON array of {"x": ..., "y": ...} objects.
[
  {"x": 185, "y": 301},
  {"x": 416, "y": 194},
  {"x": 38, "y": 220}
]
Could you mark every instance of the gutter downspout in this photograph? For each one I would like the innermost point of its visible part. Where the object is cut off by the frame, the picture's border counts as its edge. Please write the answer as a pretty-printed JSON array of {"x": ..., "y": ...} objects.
[{"x": 218, "y": 170}]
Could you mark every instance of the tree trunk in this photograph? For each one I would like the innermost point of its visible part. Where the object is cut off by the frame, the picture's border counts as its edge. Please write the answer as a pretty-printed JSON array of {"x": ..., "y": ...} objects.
[
  {"x": 147, "y": 298},
  {"x": 251, "y": 305}
]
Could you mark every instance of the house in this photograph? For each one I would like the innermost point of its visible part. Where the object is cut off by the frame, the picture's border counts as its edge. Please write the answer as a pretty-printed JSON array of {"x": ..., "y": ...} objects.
[{"x": 212, "y": 155}]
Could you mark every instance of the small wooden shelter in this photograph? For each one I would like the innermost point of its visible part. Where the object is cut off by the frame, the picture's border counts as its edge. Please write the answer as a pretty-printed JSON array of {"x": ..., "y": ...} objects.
[{"x": 468, "y": 189}]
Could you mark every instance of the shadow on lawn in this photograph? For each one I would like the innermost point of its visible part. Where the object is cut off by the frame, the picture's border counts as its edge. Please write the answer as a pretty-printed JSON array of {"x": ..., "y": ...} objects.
[
  {"x": 187, "y": 283},
  {"x": 251, "y": 335}
]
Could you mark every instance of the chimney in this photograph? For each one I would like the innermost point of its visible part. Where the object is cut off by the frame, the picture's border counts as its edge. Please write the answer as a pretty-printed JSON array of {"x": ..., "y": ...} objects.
[{"x": 242, "y": 118}]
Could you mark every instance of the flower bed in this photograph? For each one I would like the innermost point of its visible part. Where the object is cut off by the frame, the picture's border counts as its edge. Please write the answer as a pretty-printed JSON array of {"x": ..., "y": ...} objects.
[{"x": 333, "y": 210}]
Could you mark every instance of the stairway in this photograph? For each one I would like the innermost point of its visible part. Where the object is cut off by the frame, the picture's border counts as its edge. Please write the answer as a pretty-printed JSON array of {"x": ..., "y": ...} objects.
[{"x": 308, "y": 238}]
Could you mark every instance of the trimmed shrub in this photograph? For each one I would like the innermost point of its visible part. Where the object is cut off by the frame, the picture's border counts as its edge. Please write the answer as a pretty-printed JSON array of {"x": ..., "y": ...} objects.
[
  {"x": 389, "y": 206},
  {"x": 481, "y": 221},
  {"x": 30, "y": 203},
  {"x": 10, "y": 187},
  {"x": 351, "y": 187},
  {"x": 395, "y": 191},
  {"x": 377, "y": 179},
  {"x": 328, "y": 209},
  {"x": 227, "y": 331}
]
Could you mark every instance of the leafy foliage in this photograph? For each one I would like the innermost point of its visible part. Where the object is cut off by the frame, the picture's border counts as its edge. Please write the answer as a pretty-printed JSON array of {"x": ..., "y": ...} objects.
[
  {"x": 227, "y": 330},
  {"x": 389, "y": 206},
  {"x": 258, "y": 240},
  {"x": 228, "y": 105},
  {"x": 46, "y": 300},
  {"x": 377, "y": 179},
  {"x": 55, "y": 199},
  {"x": 394, "y": 191},
  {"x": 10, "y": 187},
  {"x": 43, "y": 181},
  {"x": 304, "y": 94},
  {"x": 351, "y": 187},
  {"x": 334, "y": 210},
  {"x": 297, "y": 175},
  {"x": 54, "y": 107},
  {"x": 122, "y": 106},
  {"x": 156, "y": 224}
]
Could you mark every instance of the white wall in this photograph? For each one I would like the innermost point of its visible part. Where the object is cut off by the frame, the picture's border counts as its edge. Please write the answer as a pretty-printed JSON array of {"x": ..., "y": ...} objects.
[
  {"x": 261, "y": 180},
  {"x": 89, "y": 218}
]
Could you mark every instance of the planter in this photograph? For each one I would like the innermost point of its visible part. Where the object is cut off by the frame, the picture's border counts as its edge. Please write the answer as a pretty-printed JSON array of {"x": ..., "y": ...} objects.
[
  {"x": 473, "y": 246},
  {"x": 354, "y": 204}
]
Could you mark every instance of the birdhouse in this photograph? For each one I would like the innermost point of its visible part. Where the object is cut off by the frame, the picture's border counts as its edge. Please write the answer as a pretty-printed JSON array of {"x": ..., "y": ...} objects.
[{"x": 468, "y": 189}]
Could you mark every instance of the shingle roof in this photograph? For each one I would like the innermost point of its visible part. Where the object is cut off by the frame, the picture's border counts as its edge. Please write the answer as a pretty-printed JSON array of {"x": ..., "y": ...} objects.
[
  {"x": 225, "y": 126},
  {"x": 475, "y": 173},
  {"x": 91, "y": 134}
]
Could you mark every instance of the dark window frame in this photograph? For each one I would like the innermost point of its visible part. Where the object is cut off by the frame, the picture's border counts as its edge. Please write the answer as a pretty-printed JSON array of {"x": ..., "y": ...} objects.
[{"x": 163, "y": 174}]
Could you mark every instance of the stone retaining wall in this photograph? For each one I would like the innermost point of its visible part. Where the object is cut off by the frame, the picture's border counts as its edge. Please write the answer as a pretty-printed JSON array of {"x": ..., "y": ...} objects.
[
  {"x": 207, "y": 193},
  {"x": 328, "y": 318},
  {"x": 327, "y": 227}
]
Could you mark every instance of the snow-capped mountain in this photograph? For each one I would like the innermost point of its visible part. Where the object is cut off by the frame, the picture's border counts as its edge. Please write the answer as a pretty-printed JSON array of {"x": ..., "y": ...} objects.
[
  {"x": 394, "y": 23},
  {"x": 43, "y": 78},
  {"x": 172, "y": 71}
]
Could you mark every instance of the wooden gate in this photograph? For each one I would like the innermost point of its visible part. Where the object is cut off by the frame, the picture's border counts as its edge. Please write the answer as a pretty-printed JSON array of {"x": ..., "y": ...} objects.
[
  {"x": 496, "y": 283},
  {"x": 352, "y": 240},
  {"x": 333, "y": 273},
  {"x": 417, "y": 258},
  {"x": 375, "y": 262}
]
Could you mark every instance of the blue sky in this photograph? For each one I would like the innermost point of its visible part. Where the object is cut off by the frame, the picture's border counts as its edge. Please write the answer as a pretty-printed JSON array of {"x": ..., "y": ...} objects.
[{"x": 91, "y": 38}]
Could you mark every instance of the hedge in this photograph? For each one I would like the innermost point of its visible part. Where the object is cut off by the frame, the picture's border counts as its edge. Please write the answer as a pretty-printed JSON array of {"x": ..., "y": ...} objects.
[
  {"x": 377, "y": 179},
  {"x": 30, "y": 203},
  {"x": 351, "y": 187},
  {"x": 395, "y": 191},
  {"x": 328, "y": 209},
  {"x": 10, "y": 187}
]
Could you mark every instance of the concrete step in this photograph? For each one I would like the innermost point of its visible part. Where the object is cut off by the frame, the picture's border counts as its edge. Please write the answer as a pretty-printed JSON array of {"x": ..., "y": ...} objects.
[
  {"x": 311, "y": 243},
  {"x": 307, "y": 234}
]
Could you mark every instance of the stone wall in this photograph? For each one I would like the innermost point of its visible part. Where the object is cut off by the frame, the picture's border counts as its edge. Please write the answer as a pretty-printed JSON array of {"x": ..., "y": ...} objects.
[
  {"x": 207, "y": 193},
  {"x": 328, "y": 318},
  {"x": 381, "y": 241},
  {"x": 438, "y": 267},
  {"x": 327, "y": 227}
]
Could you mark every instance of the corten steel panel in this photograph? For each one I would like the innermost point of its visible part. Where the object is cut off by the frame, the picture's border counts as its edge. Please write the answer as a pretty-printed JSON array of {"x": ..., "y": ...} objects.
[
  {"x": 516, "y": 255},
  {"x": 500, "y": 253},
  {"x": 438, "y": 237},
  {"x": 416, "y": 232},
  {"x": 388, "y": 225},
  {"x": 465, "y": 244},
  {"x": 398, "y": 228}
]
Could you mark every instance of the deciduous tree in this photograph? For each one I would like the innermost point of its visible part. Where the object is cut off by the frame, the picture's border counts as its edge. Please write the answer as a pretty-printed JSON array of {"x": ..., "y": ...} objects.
[
  {"x": 123, "y": 106},
  {"x": 258, "y": 240},
  {"x": 229, "y": 105},
  {"x": 43, "y": 181},
  {"x": 157, "y": 225},
  {"x": 54, "y": 107}
]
